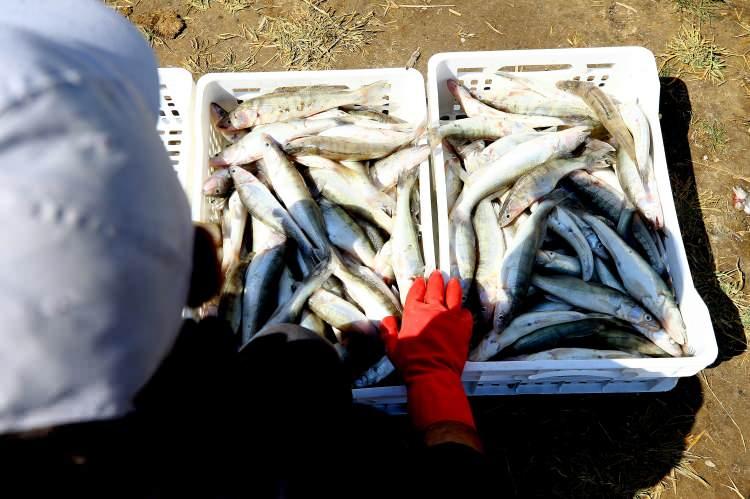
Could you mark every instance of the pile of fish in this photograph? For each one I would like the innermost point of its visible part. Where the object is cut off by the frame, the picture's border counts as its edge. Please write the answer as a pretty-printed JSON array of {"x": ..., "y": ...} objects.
[
  {"x": 316, "y": 193},
  {"x": 555, "y": 224}
]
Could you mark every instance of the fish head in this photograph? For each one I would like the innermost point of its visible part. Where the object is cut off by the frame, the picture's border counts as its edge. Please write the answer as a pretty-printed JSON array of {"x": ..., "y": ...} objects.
[
  {"x": 241, "y": 176},
  {"x": 217, "y": 184},
  {"x": 241, "y": 118},
  {"x": 455, "y": 88},
  {"x": 217, "y": 114},
  {"x": 643, "y": 319}
]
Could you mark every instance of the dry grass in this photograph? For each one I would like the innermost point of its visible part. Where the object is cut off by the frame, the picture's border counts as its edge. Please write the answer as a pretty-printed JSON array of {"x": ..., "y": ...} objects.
[
  {"x": 710, "y": 134},
  {"x": 689, "y": 52},
  {"x": 702, "y": 10},
  {"x": 311, "y": 35}
]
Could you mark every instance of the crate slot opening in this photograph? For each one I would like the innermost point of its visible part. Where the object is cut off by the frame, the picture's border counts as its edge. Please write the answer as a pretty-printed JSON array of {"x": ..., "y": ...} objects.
[{"x": 469, "y": 70}]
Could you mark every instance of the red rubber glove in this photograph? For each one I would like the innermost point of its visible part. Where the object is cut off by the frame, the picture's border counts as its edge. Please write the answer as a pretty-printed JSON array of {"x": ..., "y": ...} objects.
[{"x": 430, "y": 351}]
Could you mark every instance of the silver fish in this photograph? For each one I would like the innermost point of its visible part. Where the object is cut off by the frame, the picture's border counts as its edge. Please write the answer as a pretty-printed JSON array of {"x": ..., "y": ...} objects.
[
  {"x": 474, "y": 107},
  {"x": 218, "y": 184},
  {"x": 312, "y": 322},
  {"x": 346, "y": 234},
  {"x": 375, "y": 303},
  {"x": 262, "y": 204},
  {"x": 286, "y": 286},
  {"x": 406, "y": 258},
  {"x": 250, "y": 148},
  {"x": 630, "y": 180},
  {"x": 606, "y": 276},
  {"x": 549, "y": 306},
  {"x": 219, "y": 121},
  {"x": 575, "y": 354},
  {"x": 235, "y": 221},
  {"x": 558, "y": 263},
  {"x": 560, "y": 222},
  {"x": 303, "y": 102},
  {"x": 289, "y": 312},
  {"x": 504, "y": 145},
  {"x": 383, "y": 264},
  {"x": 262, "y": 274},
  {"x": 491, "y": 248},
  {"x": 340, "y": 314},
  {"x": 479, "y": 127},
  {"x": 594, "y": 243},
  {"x": 343, "y": 148},
  {"x": 372, "y": 232},
  {"x": 606, "y": 110},
  {"x": 515, "y": 273},
  {"x": 355, "y": 193},
  {"x": 641, "y": 281},
  {"x": 384, "y": 173},
  {"x": 596, "y": 297}
]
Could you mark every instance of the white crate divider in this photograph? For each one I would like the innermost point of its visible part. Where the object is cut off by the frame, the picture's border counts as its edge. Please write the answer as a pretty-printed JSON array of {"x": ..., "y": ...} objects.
[
  {"x": 174, "y": 125},
  {"x": 630, "y": 74}
]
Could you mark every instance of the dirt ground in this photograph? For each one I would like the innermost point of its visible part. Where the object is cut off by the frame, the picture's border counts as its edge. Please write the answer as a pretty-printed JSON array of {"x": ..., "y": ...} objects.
[{"x": 687, "y": 443}]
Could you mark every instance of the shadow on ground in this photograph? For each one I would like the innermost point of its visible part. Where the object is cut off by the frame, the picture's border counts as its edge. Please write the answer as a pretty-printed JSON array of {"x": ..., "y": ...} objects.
[
  {"x": 616, "y": 446},
  {"x": 676, "y": 112}
]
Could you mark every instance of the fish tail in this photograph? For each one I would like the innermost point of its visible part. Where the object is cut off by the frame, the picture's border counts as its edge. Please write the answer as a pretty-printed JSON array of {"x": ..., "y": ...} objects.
[{"x": 374, "y": 94}]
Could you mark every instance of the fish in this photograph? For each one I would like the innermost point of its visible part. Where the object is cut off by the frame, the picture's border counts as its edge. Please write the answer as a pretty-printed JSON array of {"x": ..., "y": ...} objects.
[
  {"x": 373, "y": 115},
  {"x": 250, "y": 147},
  {"x": 630, "y": 180},
  {"x": 740, "y": 199},
  {"x": 290, "y": 187},
  {"x": 635, "y": 120},
  {"x": 303, "y": 102},
  {"x": 357, "y": 166},
  {"x": 375, "y": 374},
  {"x": 606, "y": 111},
  {"x": 312, "y": 322},
  {"x": 515, "y": 163},
  {"x": 549, "y": 306},
  {"x": 261, "y": 203},
  {"x": 235, "y": 221},
  {"x": 543, "y": 179},
  {"x": 453, "y": 181},
  {"x": 286, "y": 286},
  {"x": 606, "y": 276},
  {"x": 218, "y": 118},
  {"x": 516, "y": 269},
  {"x": 649, "y": 244},
  {"x": 384, "y": 173},
  {"x": 262, "y": 274},
  {"x": 469, "y": 153},
  {"x": 604, "y": 198},
  {"x": 559, "y": 335},
  {"x": 503, "y": 146},
  {"x": 375, "y": 304},
  {"x": 519, "y": 327},
  {"x": 340, "y": 314},
  {"x": 218, "y": 184},
  {"x": 597, "y": 248},
  {"x": 476, "y": 108},
  {"x": 355, "y": 193},
  {"x": 490, "y": 248},
  {"x": 560, "y": 222},
  {"x": 365, "y": 134},
  {"x": 597, "y": 298},
  {"x": 575, "y": 354},
  {"x": 518, "y": 94},
  {"x": 343, "y": 148},
  {"x": 479, "y": 127},
  {"x": 406, "y": 255},
  {"x": 367, "y": 275},
  {"x": 383, "y": 263},
  {"x": 230, "y": 298},
  {"x": 289, "y": 312},
  {"x": 344, "y": 233},
  {"x": 557, "y": 262},
  {"x": 372, "y": 232},
  {"x": 642, "y": 281}
]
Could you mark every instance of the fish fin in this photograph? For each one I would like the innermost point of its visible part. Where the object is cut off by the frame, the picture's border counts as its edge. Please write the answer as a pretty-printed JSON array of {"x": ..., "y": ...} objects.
[{"x": 374, "y": 94}]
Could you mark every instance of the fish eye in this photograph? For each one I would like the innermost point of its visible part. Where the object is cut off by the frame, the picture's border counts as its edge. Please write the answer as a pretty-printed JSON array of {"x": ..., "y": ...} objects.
[
  {"x": 648, "y": 317},
  {"x": 507, "y": 215}
]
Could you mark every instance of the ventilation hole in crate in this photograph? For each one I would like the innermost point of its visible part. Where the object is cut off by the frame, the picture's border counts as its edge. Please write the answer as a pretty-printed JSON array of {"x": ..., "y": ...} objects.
[
  {"x": 508, "y": 69},
  {"x": 175, "y": 112},
  {"x": 601, "y": 65},
  {"x": 167, "y": 97},
  {"x": 460, "y": 116},
  {"x": 162, "y": 132},
  {"x": 174, "y": 142},
  {"x": 474, "y": 83},
  {"x": 529, "y": 68},
  {"x": 444, "y": 118},
  {"x": 456, "y": 107},
  {"x": 174, "y": 153},
  {"x": 577, "y": 78},
  {"x": 469, "y": 70},
  {"x": 605, "y": 77},
  {"x": 162, "y": 113},
  {"x": 486, "y": 88},
  {"x": 170, "y": 104},
  {"x": 385, "y": 111},
  {"x": 161, "y": 85},
  {"x": 590, "y": 78},
  {"x": 386, "y": 104},
  {"x": 175, "y": 132},
  {"x": 601, "y": 84},
  {"x": 461, "y": 82},
  {"x": 488, "y": 81}
]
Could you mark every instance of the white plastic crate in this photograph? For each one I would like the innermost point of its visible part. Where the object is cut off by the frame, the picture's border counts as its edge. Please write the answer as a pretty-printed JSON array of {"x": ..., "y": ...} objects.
[
  {"x": 630, "y": 74},
  {"x": 406, "y": 100},
  {"x": 175, "y": 111}
]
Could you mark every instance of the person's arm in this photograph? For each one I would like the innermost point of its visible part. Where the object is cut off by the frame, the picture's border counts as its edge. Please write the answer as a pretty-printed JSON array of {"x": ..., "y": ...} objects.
[{"x": 430, "y": 350}]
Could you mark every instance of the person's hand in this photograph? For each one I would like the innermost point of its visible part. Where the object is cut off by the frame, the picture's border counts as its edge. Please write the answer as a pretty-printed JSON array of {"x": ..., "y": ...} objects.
[{"x": 430, "y": 351}]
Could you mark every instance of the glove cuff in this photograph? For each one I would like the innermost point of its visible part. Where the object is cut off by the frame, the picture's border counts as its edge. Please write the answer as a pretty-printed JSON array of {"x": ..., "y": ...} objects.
[{"x": 438, "y": 397}]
